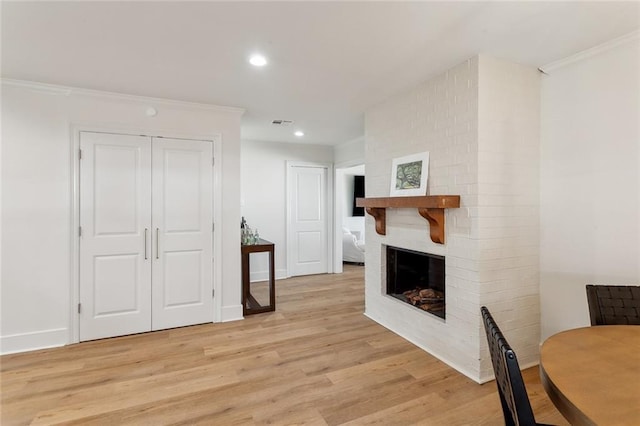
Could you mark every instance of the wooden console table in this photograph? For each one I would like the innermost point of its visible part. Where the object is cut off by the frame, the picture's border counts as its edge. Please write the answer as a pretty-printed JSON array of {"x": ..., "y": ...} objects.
[{"x": 251, "y": 304}]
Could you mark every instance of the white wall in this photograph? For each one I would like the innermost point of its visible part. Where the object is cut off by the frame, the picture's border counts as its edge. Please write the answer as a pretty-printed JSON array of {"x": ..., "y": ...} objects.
[
  {"x": 506, "y": 220},
  {"x": 37, "y": 181},
  {"x": 349, "y": 153},
  {"x": 263, "y": 194},
  {"x": 590, "y": 183}
]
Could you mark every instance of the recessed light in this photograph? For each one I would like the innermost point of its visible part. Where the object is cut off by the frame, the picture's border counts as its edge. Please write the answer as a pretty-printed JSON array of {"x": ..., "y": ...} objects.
[
  {"x": 258, "y": 60},
  {"x": 299, "y": 133}
]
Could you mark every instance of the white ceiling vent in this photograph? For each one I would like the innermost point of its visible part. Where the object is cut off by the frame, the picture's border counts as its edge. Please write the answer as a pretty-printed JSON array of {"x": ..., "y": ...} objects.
[{"x": 282, "y": 122}]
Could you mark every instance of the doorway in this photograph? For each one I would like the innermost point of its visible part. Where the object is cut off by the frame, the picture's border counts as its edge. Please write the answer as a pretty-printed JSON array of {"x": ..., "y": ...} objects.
[{"x": 345, "y": 217}]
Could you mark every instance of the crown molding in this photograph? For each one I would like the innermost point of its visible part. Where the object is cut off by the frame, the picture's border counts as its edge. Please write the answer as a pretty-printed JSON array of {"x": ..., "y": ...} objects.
[
  {"x": 76, "y": 91},
  {"x": 585, "y": 54},
  {"x": 38, "y": 87}
]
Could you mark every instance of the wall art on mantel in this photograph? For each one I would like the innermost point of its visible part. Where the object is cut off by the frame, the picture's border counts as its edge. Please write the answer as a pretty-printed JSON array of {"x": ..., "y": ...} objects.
[{"x": 409, "y": 175}]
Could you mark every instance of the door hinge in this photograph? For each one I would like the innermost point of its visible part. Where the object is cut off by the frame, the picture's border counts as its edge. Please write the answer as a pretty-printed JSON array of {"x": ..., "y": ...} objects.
[
  {"x": 213, "y": 161},
  {"x": 79, "y": 154},
  {"x": 213, "y": 227},
  {"x": 79, "y": 305},
  {"x": 213, "y": 293},
  {"x": 80, "y": 231}
]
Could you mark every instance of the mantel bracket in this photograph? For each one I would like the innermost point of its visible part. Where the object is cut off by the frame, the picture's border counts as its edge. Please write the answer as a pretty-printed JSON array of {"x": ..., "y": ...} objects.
[
  {"x": 436, "y": 223},
  {"x": 380, "y": 215}
]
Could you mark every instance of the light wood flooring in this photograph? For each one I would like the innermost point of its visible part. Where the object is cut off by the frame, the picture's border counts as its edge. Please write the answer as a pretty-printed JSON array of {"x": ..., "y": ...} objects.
[{"x": 317, "y": 360}]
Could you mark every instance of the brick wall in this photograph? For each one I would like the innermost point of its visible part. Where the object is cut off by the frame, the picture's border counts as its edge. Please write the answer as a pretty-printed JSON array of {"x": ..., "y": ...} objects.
[
  {"x": 506, "y": 223},
  {"x": 469, "y": 119}
]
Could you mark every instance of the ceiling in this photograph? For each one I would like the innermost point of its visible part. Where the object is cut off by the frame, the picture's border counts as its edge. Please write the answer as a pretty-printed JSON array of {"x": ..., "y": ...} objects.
[{"x": 328, "y": 61}]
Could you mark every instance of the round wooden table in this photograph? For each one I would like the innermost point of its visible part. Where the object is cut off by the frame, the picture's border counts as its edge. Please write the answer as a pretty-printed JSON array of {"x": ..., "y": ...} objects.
[{"x": 592, "y": 374}]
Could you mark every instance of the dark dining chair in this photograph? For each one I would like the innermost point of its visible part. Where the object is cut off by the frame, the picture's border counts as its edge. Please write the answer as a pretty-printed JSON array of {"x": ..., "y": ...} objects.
[
  {"x": 513, "y": 394},
  {"x": 613, "y": 304}
]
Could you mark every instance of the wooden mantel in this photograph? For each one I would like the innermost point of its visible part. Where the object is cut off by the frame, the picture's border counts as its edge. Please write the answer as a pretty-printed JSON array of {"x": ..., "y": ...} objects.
[{"x": 431, "y": 207}]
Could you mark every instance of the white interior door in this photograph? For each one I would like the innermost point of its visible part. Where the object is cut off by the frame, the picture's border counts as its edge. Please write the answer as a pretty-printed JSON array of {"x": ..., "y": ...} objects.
[
  {"x": 308, "y": 220},
  {"x": 182, "y": 232},
  {"x": 115, "y": 219}
]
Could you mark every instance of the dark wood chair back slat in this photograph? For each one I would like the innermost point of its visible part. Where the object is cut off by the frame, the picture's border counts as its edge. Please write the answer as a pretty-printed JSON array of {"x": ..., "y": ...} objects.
[
  {"x": 513, "y": 394},
  {"x": 613, "y": 304}
]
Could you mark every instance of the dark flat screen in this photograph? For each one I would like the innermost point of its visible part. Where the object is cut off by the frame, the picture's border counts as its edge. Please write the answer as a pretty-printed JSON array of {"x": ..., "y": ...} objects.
[{"x": 358, "y": 192}]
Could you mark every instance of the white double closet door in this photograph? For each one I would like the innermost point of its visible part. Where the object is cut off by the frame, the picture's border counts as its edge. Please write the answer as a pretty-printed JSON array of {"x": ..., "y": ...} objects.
[{"x": 146, "y": 244}]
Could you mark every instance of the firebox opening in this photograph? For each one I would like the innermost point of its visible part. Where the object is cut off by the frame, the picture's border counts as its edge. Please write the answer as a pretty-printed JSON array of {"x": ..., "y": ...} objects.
[{"x": 417, "y": 279}]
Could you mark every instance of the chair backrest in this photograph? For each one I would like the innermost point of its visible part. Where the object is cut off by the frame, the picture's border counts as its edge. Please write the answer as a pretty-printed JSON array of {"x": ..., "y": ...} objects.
[
  {"x": 513, "y": 394},
  {"x": 613, "y": 304}
]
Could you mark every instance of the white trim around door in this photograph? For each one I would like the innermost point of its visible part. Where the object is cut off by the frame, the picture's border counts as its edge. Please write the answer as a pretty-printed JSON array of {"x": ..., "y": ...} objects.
[{"x": 74, "y": 291}]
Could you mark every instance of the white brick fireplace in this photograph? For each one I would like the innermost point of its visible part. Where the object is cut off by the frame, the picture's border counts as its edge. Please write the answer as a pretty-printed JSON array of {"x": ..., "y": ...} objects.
[{"x": 480, "y": 123}]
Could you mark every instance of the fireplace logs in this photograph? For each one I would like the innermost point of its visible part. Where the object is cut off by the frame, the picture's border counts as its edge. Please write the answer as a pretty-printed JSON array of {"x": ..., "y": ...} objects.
[{"x": 426, "y": 299}]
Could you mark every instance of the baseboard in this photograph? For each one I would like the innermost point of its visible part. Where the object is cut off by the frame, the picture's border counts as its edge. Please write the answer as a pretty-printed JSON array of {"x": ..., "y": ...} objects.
[
  {"x": 231, "y": 313},
  {"x": 264, "y": 275},
  {"x": 24, "y": 342}
]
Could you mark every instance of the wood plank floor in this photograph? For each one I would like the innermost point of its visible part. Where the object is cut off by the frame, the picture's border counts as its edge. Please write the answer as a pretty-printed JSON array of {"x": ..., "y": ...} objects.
[{"x": 317, "y": 360}]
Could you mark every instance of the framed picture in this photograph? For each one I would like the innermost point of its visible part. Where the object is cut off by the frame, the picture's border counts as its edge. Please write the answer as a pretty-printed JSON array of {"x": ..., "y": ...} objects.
[{"x": 409, "y": 175}]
